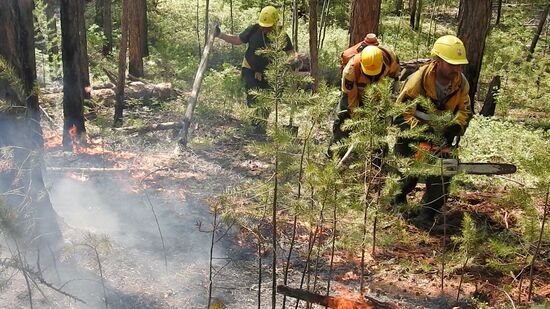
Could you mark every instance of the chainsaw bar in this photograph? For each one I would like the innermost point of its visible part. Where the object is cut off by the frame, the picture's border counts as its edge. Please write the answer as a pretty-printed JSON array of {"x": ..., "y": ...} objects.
[
  {"x": 487, "y": 168},
  {"x": 453, "y": 166}
]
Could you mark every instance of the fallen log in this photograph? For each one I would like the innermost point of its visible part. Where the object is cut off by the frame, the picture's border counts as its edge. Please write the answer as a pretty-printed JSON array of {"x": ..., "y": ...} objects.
[
  {"x": 105, "y": 94},
  {"x": 152, "y": 127},
  {"x": 334, "y": 302},
  {"x": 411, "y": 66}
]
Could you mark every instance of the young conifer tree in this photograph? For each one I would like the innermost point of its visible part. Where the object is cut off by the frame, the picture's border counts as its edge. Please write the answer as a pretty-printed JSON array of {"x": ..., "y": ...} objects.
[{"x": 280, "y": 98}]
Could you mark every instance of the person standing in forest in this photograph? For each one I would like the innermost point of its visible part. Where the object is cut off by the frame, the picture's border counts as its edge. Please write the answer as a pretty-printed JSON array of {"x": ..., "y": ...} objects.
[
  {"x": 442, "y": 82},
  {"x": 367, "y": 67},
  {"x": 257, "y": 36}
]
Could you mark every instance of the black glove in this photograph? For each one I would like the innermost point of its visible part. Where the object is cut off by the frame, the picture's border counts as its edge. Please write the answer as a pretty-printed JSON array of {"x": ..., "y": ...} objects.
[
  {"x": 451, "y": 132},
  {"x": 217, "y": 31}
]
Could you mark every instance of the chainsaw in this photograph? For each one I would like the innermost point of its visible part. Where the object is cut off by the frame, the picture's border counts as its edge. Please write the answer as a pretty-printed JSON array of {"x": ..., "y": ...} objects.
[{"x": 452, "y": 166}]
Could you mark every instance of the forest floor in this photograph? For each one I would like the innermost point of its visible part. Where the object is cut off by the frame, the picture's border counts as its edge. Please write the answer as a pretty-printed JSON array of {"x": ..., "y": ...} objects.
[{"x": 121, "y": 188}]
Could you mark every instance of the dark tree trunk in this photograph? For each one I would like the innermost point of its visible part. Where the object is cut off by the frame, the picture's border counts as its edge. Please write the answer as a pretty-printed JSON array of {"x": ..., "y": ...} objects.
[
  {"x": 538, "y": 31},
  {"x": 119, "y": 105},
  {"x": 418, "y": 15},
  {"x": 412, "y": 5},
  {"x": 135, "y": 39},
  {"x": 365, "y": 18},
  {"x": 22, "y": 131},
  {"x": 85, "y": 69},
  {"x": 398, "y": 7},
  {"x": 104, "y": 19},
  {"x": 73, "y": 92},
  {"x": 499, "y": 10},
  {"x": 295, "y": 24},
  {"x": 473, "y": 26},
  {"x": 313, "y": 51},
  {"x": 489, "y": 105},
  {"x": 143, "y": 28}
]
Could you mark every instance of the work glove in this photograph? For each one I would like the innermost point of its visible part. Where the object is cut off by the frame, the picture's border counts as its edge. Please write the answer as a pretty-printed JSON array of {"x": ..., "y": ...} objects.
[
  {"x": 451, "y": 132},
  {"x": 217, "y": 31}
]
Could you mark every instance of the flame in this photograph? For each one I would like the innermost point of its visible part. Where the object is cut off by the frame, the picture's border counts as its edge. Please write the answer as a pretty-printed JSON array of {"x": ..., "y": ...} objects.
[
  {"x": 347, "y": 299},
  {"x": 74, "y": 138},
  {"x": 342, "y": 303},
  {"x": 96, "y": 146}
]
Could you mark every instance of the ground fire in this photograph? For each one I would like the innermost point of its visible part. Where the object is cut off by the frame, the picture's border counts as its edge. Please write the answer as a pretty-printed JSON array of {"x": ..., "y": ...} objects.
[{"x": 334, "y": 302}]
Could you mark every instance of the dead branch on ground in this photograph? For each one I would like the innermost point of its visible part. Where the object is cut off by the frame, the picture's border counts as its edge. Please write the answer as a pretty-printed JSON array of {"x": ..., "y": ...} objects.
[{"x": 334, "y": 302}]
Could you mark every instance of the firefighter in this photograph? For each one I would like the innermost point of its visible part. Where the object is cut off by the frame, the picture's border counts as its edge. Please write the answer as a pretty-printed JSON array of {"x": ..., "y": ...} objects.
[
  {"x": 367, "y": 67},
  {"x": 254, "y": 65},
  {"x": 447, "y": 88}
]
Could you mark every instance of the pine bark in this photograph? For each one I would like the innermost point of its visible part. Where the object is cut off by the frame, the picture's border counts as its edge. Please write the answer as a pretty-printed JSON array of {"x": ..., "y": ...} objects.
[
  {"x": 37, "y": 223},
  {"x": 84, "y": 67},
  {"x": 135, "y": 38},
  {"x": 144, "y": 32},
  {"x": 473, "y": 27},
  {"x": 313, "y": 50},
  {"x": 121, "y": 78},
  {"x": 72, "y": 12},
  {"x": 365, "y": 18}
]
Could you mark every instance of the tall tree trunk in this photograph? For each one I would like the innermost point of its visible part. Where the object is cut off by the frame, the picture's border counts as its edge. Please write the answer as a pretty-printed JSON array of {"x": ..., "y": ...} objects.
[
  {"x": 197, "y": 29},
  {"x": 295, "y": 24},
  {"x": 135, "y": 46},
  {"x": 490, "y": 103},
  {"x": 418, "y": 15},
  {"x": 412, "y": 6},
  {"x": 73, "y": 91},
  {"x": 52, "y": 6},
  {"x": 324, "y": 23},
  {"x": 536, "y": 37},
  {"x": 104, "y": 19},
  {"x": 499, "y": 10},
  {"x": 37, "y": 223},
  {"x": 473, "y": 26},
  {"x": 313, "y": 51},
  {"x": 121, "y": 80},
  {"x": 206, "y": 21},
  {"x": 85, "y": 69},
  {"x": 144, "y": 30},
  {"x": 398, "y": 7},
  {"x": 365, "y": 18}
]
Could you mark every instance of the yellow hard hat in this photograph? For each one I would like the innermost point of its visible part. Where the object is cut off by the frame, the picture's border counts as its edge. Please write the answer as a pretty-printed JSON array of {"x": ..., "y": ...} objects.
[
  {"x": 450, "y": 49},
  {"x": 269, "y": 16},
  {"x": 371, "y": 60}
]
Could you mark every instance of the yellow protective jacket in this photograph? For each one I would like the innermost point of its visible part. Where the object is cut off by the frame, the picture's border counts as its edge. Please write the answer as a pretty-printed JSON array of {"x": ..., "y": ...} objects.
[
  {"x": 354, "y": 80},
  {"x": 422, "y": 83}
]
